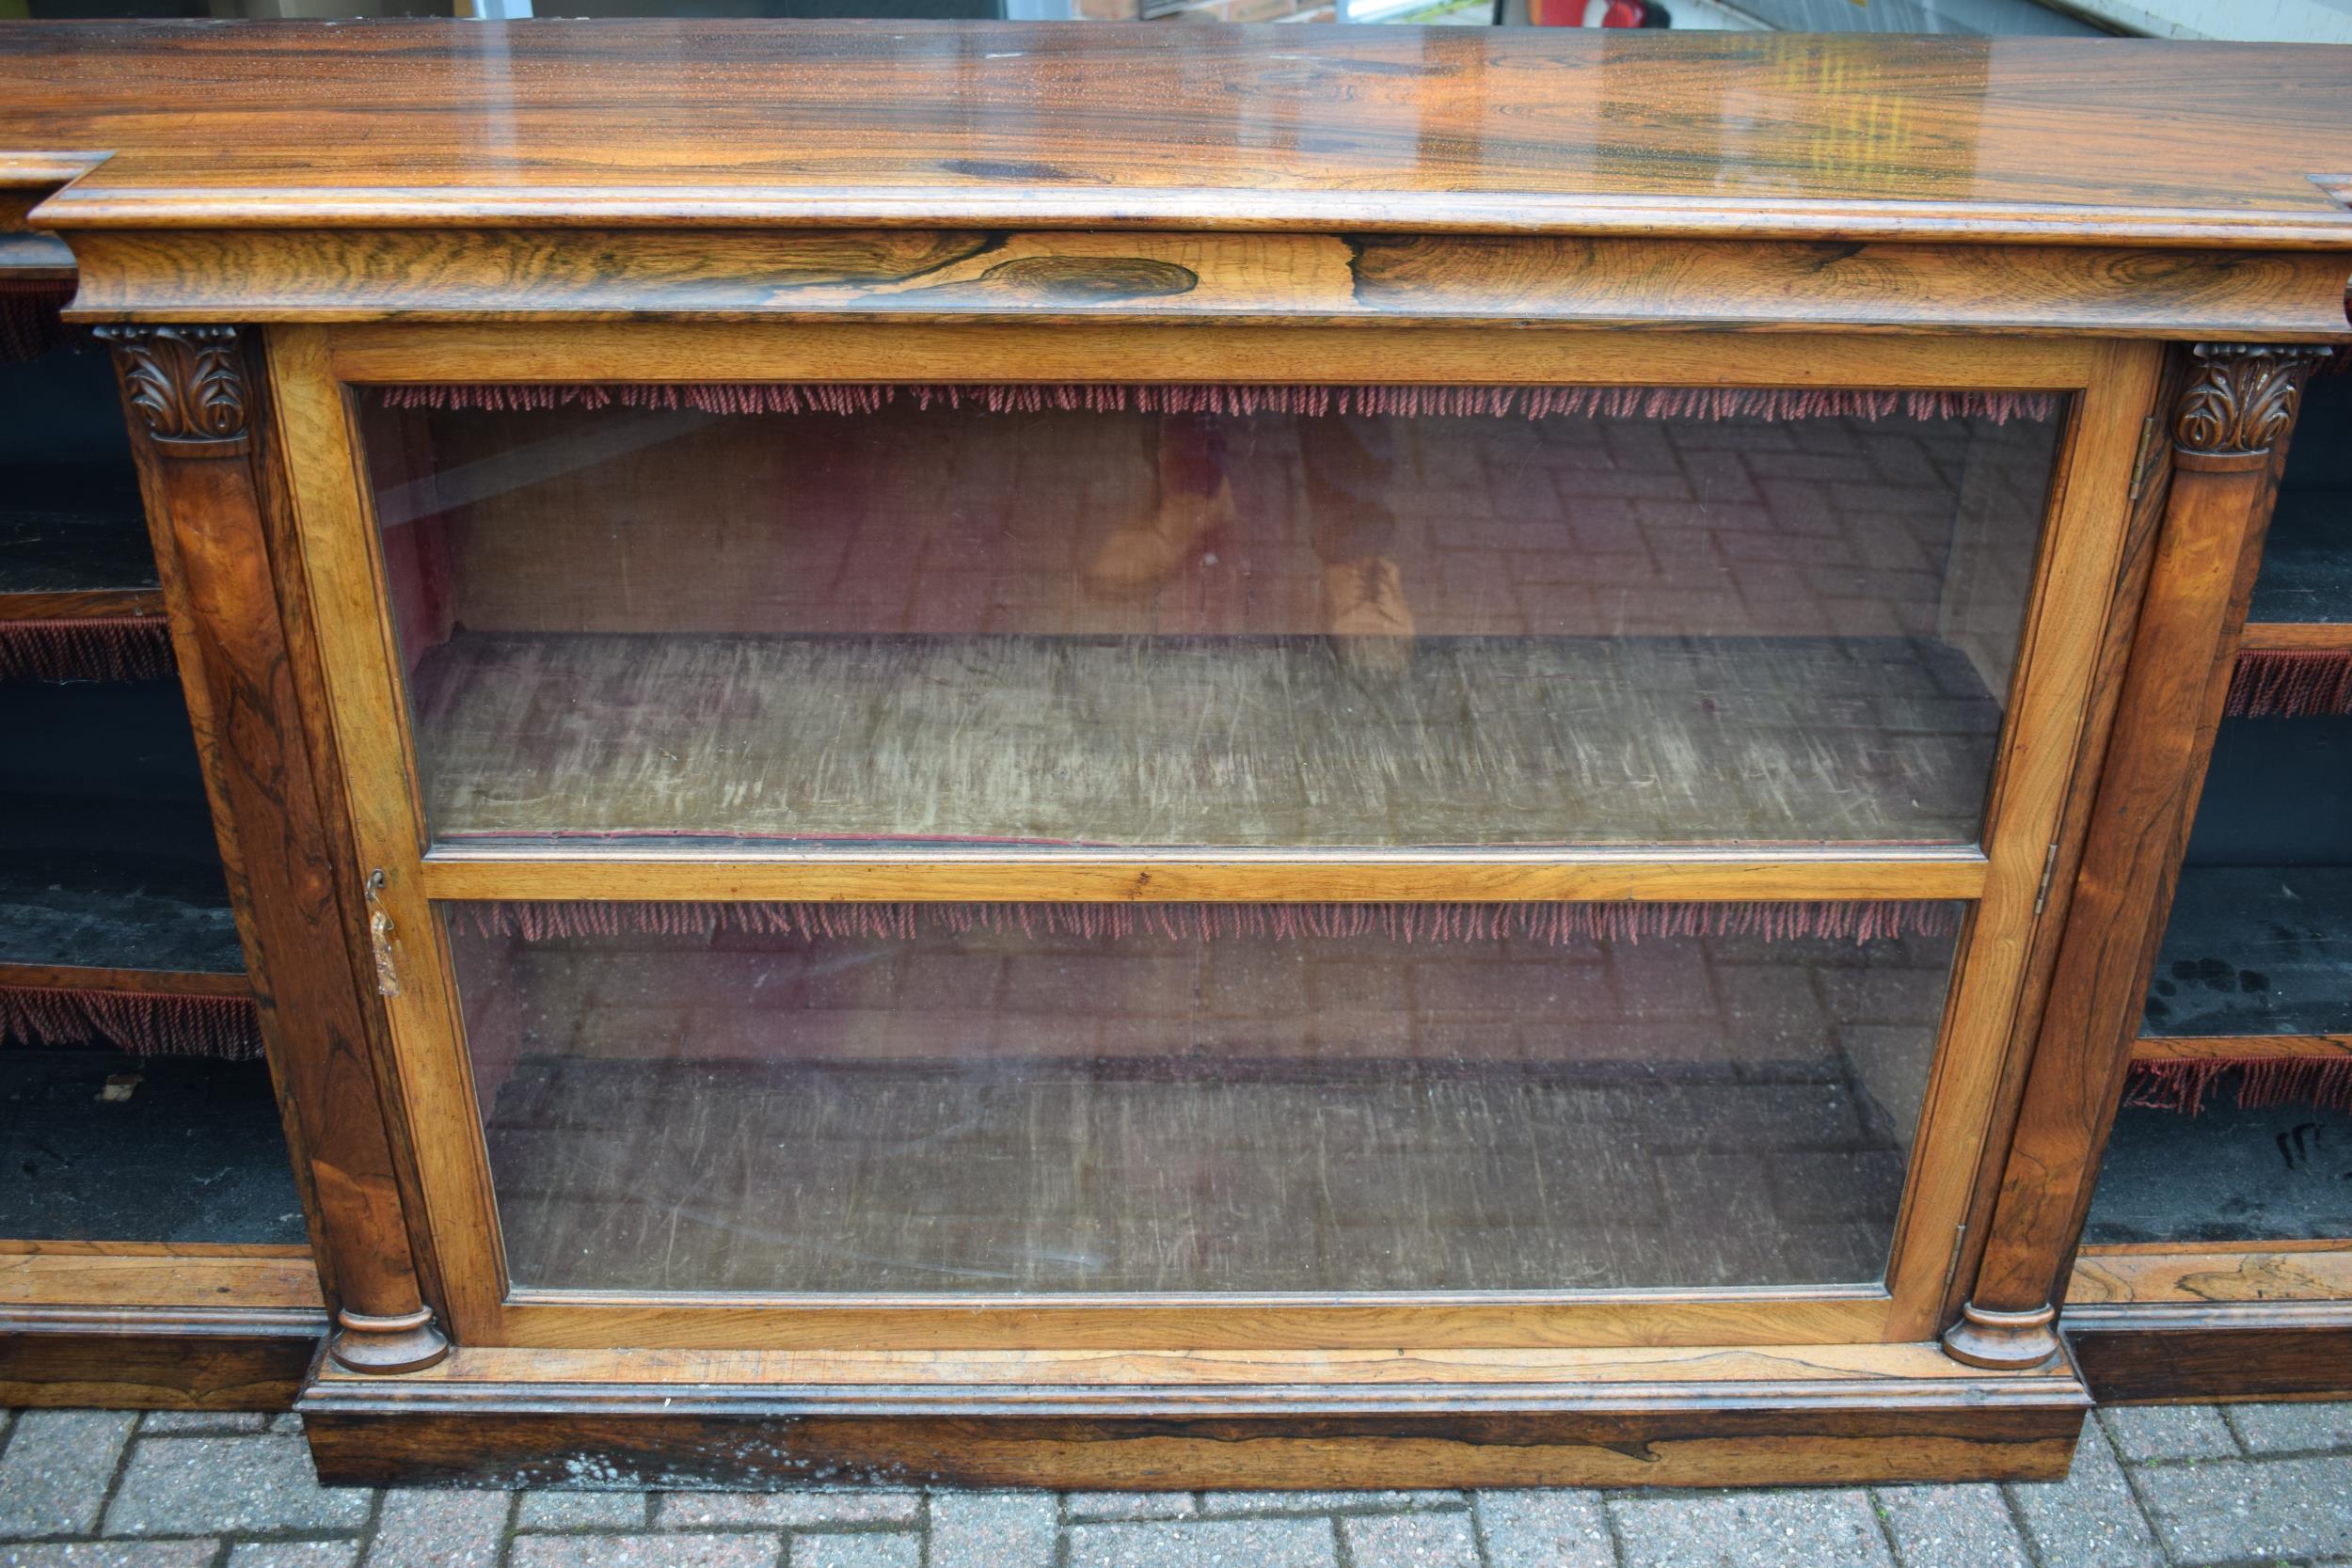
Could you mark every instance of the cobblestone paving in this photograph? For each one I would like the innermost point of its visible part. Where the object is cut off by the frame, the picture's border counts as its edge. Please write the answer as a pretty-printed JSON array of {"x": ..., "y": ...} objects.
[{"x": 2247, "y": 1486}]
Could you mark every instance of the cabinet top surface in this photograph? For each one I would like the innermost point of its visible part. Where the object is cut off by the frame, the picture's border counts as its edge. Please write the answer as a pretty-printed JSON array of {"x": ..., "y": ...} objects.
[{"x": 1098, "y": 124}]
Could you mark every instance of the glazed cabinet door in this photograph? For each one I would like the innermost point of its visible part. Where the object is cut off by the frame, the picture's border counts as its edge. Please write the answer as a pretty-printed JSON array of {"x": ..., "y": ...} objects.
[{"x": 991, "y": 837}]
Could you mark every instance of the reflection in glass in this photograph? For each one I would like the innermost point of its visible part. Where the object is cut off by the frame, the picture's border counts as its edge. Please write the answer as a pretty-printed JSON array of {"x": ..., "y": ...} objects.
[
  {"x": 1073, "y": 1098},
  {"x": 1354, "y": 616}
]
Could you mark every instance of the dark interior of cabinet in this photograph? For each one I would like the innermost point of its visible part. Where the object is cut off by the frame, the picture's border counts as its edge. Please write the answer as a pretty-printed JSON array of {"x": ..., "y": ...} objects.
[
  {"x": 2307, "y": 560},
  {"x": 132, "y": 1104},
  {"x": 101, "y": 1147},
  {"x": 70, "y": 512},
  {"x": 2257, "y": 955},
  {"x": 2229, "y": 1173},
  {"x": 107, "y": 858}
]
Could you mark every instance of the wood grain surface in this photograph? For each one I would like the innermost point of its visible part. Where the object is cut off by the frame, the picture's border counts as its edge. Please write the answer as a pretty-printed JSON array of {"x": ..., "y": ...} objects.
[
  {"x": 277, "y": 275},
  {"x": 1163, "y": 1421},
  {"x": 1849, "y": 137},
  {"x": 2263, "y": 636},
  {"x": 198, "y": 422},
  {"x": 2200, "y": 582},
  {"x": 2136, "y": 1353},
  {"x": 2242, "y": 1272}
]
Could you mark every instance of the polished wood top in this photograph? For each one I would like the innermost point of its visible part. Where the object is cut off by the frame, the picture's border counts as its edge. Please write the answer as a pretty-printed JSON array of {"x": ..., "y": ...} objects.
[{"x": 1107, "y": 125}]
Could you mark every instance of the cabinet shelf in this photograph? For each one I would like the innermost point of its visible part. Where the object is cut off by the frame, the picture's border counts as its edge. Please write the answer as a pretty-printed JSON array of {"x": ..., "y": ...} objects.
[
  {"x": 2230, "y": 1174},
  {"x": 2255, "y": 951},
  {"x": 2306, "y": 575},
  {"x": 1231, "y": 741},
  {"x": 193, "y": 1152},
  {"x": 116, "y": 888},
  {"x": 73, "y": 529}
]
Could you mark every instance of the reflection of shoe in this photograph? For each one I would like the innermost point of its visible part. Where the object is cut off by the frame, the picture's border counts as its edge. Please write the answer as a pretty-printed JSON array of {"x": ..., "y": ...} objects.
[
  {"x": 1364, "y": 607},
  {"x": 1148, "y": 550}
]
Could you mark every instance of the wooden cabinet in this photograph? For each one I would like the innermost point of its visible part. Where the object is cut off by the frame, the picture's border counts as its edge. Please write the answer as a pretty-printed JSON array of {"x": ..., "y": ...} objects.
[
  {"x": 2217, "y": 1256},
  {"x": 153, "y": 1243},
  {"x": 1110, "y": 756}
]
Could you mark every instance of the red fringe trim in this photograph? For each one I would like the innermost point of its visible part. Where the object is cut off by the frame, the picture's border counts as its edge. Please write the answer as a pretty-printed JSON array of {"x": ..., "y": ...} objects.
[
  {"x": 1535, "y": 403},
  {"x": 130, "y": 648},
  {"x": 29, "y": 325},
  {"x": 1856, "y": 920},
  {"x": 2185, "y": 1085},
  {"x": 146, "y": 1024},
  {"x": 2291, "y": 683}
]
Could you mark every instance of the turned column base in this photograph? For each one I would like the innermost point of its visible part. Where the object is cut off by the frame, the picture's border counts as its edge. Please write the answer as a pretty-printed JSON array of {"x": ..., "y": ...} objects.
[
  {"x": 408, "y": 1343},
  {"x": 2003, "y": 1341}
]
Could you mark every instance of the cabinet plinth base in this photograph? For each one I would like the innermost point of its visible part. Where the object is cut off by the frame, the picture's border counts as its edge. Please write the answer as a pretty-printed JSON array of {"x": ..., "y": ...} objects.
[
  {"x": 2138, "y": 1352},
  {"x": 1180, "y": 1420},
  {"x": 2003, "y": 1341},
  {"x": 380, "y": 1347}
]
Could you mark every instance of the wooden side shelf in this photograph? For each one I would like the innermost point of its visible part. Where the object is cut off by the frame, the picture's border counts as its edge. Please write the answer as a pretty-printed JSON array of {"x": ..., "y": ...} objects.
[
  {"x": 169, "y": 1325},
  {"x": 2241, "y": 1048},
  {"x": 2232, "y": 1321},
  {"x": 2265, "y": 636}
]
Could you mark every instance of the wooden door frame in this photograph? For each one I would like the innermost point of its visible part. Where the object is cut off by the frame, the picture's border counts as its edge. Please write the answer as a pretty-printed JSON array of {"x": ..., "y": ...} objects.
[{"x": 340, "y": 566}]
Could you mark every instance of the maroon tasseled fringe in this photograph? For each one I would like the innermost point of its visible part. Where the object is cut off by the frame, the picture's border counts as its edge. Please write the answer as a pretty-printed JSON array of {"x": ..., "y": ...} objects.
[
  {"x": 1558, "y": 922},
  {"x": 146, "y": 1024},
  {"x": 29, "y": 326},
  {"x": 125, "y": 648},
  {"x": 1233, "y": 398},
  {"x": 2291, "y": 683},
  {"x": 2185, "y": 1084}
]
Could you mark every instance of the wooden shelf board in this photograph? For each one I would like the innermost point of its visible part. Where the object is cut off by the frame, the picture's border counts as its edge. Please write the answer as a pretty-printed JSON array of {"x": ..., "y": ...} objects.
[
  {"x": 2240, "y": 1048},
  {"x": 2317, "y": 1270},
  {"x": 2297, "y": 637},
  {"x": 83, "y": 604},
  {"x": 150, "y": 982},
  {"x": 1762, "y": 743},
  {"x": 163, "y": 1274}
]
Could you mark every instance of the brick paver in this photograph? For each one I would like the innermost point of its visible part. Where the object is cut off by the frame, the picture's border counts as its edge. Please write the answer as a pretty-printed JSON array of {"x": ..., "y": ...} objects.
[{"x": 2190, "y": 1486}]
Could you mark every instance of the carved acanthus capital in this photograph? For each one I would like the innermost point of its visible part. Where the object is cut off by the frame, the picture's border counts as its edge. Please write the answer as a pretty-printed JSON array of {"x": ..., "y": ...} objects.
[
  {"x": 2240, "y": 400},
  {"x": 187, "y": 383}
]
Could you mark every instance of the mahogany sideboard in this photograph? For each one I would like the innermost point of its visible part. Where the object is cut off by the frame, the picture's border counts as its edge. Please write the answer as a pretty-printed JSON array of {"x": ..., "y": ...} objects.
[{"x": 1172, "y": 757}]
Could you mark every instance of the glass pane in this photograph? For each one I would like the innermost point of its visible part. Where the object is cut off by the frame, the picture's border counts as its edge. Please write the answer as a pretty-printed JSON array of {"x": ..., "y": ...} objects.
[
  {"x": 1416, "y": 617},
  {"x": 1057, "y": 1097}
]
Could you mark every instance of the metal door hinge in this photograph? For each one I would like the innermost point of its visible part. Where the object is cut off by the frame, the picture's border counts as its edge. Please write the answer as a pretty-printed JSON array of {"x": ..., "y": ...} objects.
[
  {"x": 2144, "y": 462},
  {"x": 1951, "y": 1270},
  {"x": 380, "y": 936},
  {"x": 2049, "y": 874}
]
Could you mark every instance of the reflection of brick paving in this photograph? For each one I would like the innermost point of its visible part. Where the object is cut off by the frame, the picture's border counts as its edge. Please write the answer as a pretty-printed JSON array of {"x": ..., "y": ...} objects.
[
  {"x": 1628, "y": 630},
  {"x": 1155, "y": 1113},
  {"x": 2189, "y": 1487},
  {"x": 965, "y": 522}
]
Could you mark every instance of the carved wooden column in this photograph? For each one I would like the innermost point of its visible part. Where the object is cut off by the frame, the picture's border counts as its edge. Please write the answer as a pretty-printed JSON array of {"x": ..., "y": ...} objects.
[
  {"x": 2229, "y": 431},
  {"x": 201, "y": 444}
]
